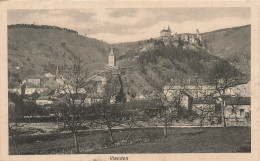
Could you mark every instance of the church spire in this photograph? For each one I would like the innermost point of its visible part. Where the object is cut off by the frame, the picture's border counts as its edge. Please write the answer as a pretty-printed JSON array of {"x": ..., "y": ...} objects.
[
  {"x": 111, "y": 51},
  {"x": 112, "y": 58}
]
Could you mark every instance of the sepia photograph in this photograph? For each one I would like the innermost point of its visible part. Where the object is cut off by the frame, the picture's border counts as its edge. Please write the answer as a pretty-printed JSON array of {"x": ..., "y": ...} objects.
[{"x": 132, "y": 80}]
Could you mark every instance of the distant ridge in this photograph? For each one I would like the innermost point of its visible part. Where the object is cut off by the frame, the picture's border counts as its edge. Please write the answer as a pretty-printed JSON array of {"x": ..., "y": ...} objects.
[
  {"x": 234, "y": 28},
  {"x": 37, "y": 49},
  {"x": 231, "y": 44},
  {"x": 33, "y": 26}
]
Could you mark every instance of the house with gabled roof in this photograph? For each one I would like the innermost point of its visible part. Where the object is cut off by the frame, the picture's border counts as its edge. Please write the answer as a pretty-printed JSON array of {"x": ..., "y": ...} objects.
[
  {"x": 44, "y": 100},
  {"x": 238, "y": 105},
  {"x": 238, "y": 110}
]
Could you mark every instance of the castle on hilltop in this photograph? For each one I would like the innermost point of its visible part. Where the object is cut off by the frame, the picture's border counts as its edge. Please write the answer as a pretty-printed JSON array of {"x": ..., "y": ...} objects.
[
  {"x": 188, "y": 38},
  {"x": 165, "y": 34}
]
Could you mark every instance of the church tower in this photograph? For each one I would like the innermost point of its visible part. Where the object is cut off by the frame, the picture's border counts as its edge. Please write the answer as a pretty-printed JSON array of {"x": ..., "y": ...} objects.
[
  {"x": 198, "y": 34},
  {"x": 111, "y": 58}
]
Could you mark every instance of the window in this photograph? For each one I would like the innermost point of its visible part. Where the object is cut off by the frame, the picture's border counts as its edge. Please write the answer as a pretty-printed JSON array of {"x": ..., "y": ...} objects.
[{"x": 242, "y": 112}]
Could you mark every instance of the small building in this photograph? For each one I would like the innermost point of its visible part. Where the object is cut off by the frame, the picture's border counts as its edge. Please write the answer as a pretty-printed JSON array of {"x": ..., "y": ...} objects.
[
  {"x": 48, "y": 92},
  {"x": 52, "y": 83},
  {"x": 98, "y": 83},
  {"x": 44, "y": 100},
  {"x": 238, "y": 110},
  {"x": 128, "y": 98},
  {"x": 90, "y": 100},
  {"x": 202, "y": 103},
  {"x": 34, "y": 81},
  {"x": 140, "y": 97},
  {"x": 112, "y": 100},
  {"x": 60, "y": 81},
  {"x": 28, "y": 90}
]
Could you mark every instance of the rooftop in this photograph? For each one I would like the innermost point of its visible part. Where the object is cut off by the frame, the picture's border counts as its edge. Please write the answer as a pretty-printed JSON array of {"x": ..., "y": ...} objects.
[
  {"x": 201, "y": 100},
  {"x": 239, "y": 101}
]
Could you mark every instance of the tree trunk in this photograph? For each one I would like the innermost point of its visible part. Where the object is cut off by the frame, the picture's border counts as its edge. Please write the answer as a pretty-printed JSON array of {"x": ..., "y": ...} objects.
[
  {"x": 111, "y": 136},
  {"x": 165, "y": 131},
  {"x": 201, "y": 122},
  {"x": 76, "y": 144},
  {"x": 57, "y": 119},
  {"x": 223, "y": 113},
  {"x": 15, "y": 145},
  {"x": 201, "y": 118},
  {"x": 13, "y": 139}
]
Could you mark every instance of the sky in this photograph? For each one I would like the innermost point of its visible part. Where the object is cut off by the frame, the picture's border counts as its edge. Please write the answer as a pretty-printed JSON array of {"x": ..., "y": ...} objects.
[{"x": 133, "y": 24}]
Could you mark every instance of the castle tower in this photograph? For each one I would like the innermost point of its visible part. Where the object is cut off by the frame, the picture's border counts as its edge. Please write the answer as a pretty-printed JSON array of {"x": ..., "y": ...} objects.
[
  {"x": 166, "y": 34},
  {"x": 197, "y": 31},
  {"x": 169, "y": 29},
  {"x": 111, "y": 58},
  {"x": 198, "y": 34}
]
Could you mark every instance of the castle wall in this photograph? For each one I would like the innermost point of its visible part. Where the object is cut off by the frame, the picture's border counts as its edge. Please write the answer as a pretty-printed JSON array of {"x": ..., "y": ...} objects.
[{"x": 165, "y": 34}]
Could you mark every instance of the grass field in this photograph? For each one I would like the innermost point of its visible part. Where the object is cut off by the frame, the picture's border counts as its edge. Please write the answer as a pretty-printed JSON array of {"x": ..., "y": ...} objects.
[
  {"x": 150, "y": 140},
  {"x": 211, "y": 140}
]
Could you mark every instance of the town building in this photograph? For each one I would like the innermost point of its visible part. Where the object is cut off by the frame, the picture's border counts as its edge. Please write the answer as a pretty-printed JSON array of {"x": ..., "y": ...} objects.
[
  {"x": 112, "y": 100},
  {"x": 195, "y": 97},
  {"x": 44, "y": 100},
  {"x": 97, "y": 83},
  {"x": 46, "y": 97},
  {"x": 238, "y": 111},
  {"x": 93, "y": 99},
  {"x": 36, "y": 81}
]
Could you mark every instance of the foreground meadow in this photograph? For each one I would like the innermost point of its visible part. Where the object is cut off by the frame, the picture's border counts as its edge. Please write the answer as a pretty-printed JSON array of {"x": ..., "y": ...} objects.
[{"x": 142, "y": 140}]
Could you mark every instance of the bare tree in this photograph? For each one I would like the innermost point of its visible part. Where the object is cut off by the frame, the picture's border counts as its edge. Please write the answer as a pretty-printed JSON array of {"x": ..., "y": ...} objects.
[
  {"x": 73, "y": 113},
  {"x": 12, "y": 115},
  {"x": 224, "y": 77},
  {"x": 169, "y": 101},
  {"x": 111, "y": 115},
  {"x": 204, "y": 112}
]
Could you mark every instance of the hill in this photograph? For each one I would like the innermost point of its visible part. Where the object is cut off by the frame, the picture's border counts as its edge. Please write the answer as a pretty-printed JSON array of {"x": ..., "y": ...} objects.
[
  {"x": 145, "y": 66},
  {"x": 37, "y": 49},
  {"x": 146, "y": 71},
  {"x": 231, "y": 44},
  {"x": 153, "y": 64}
]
